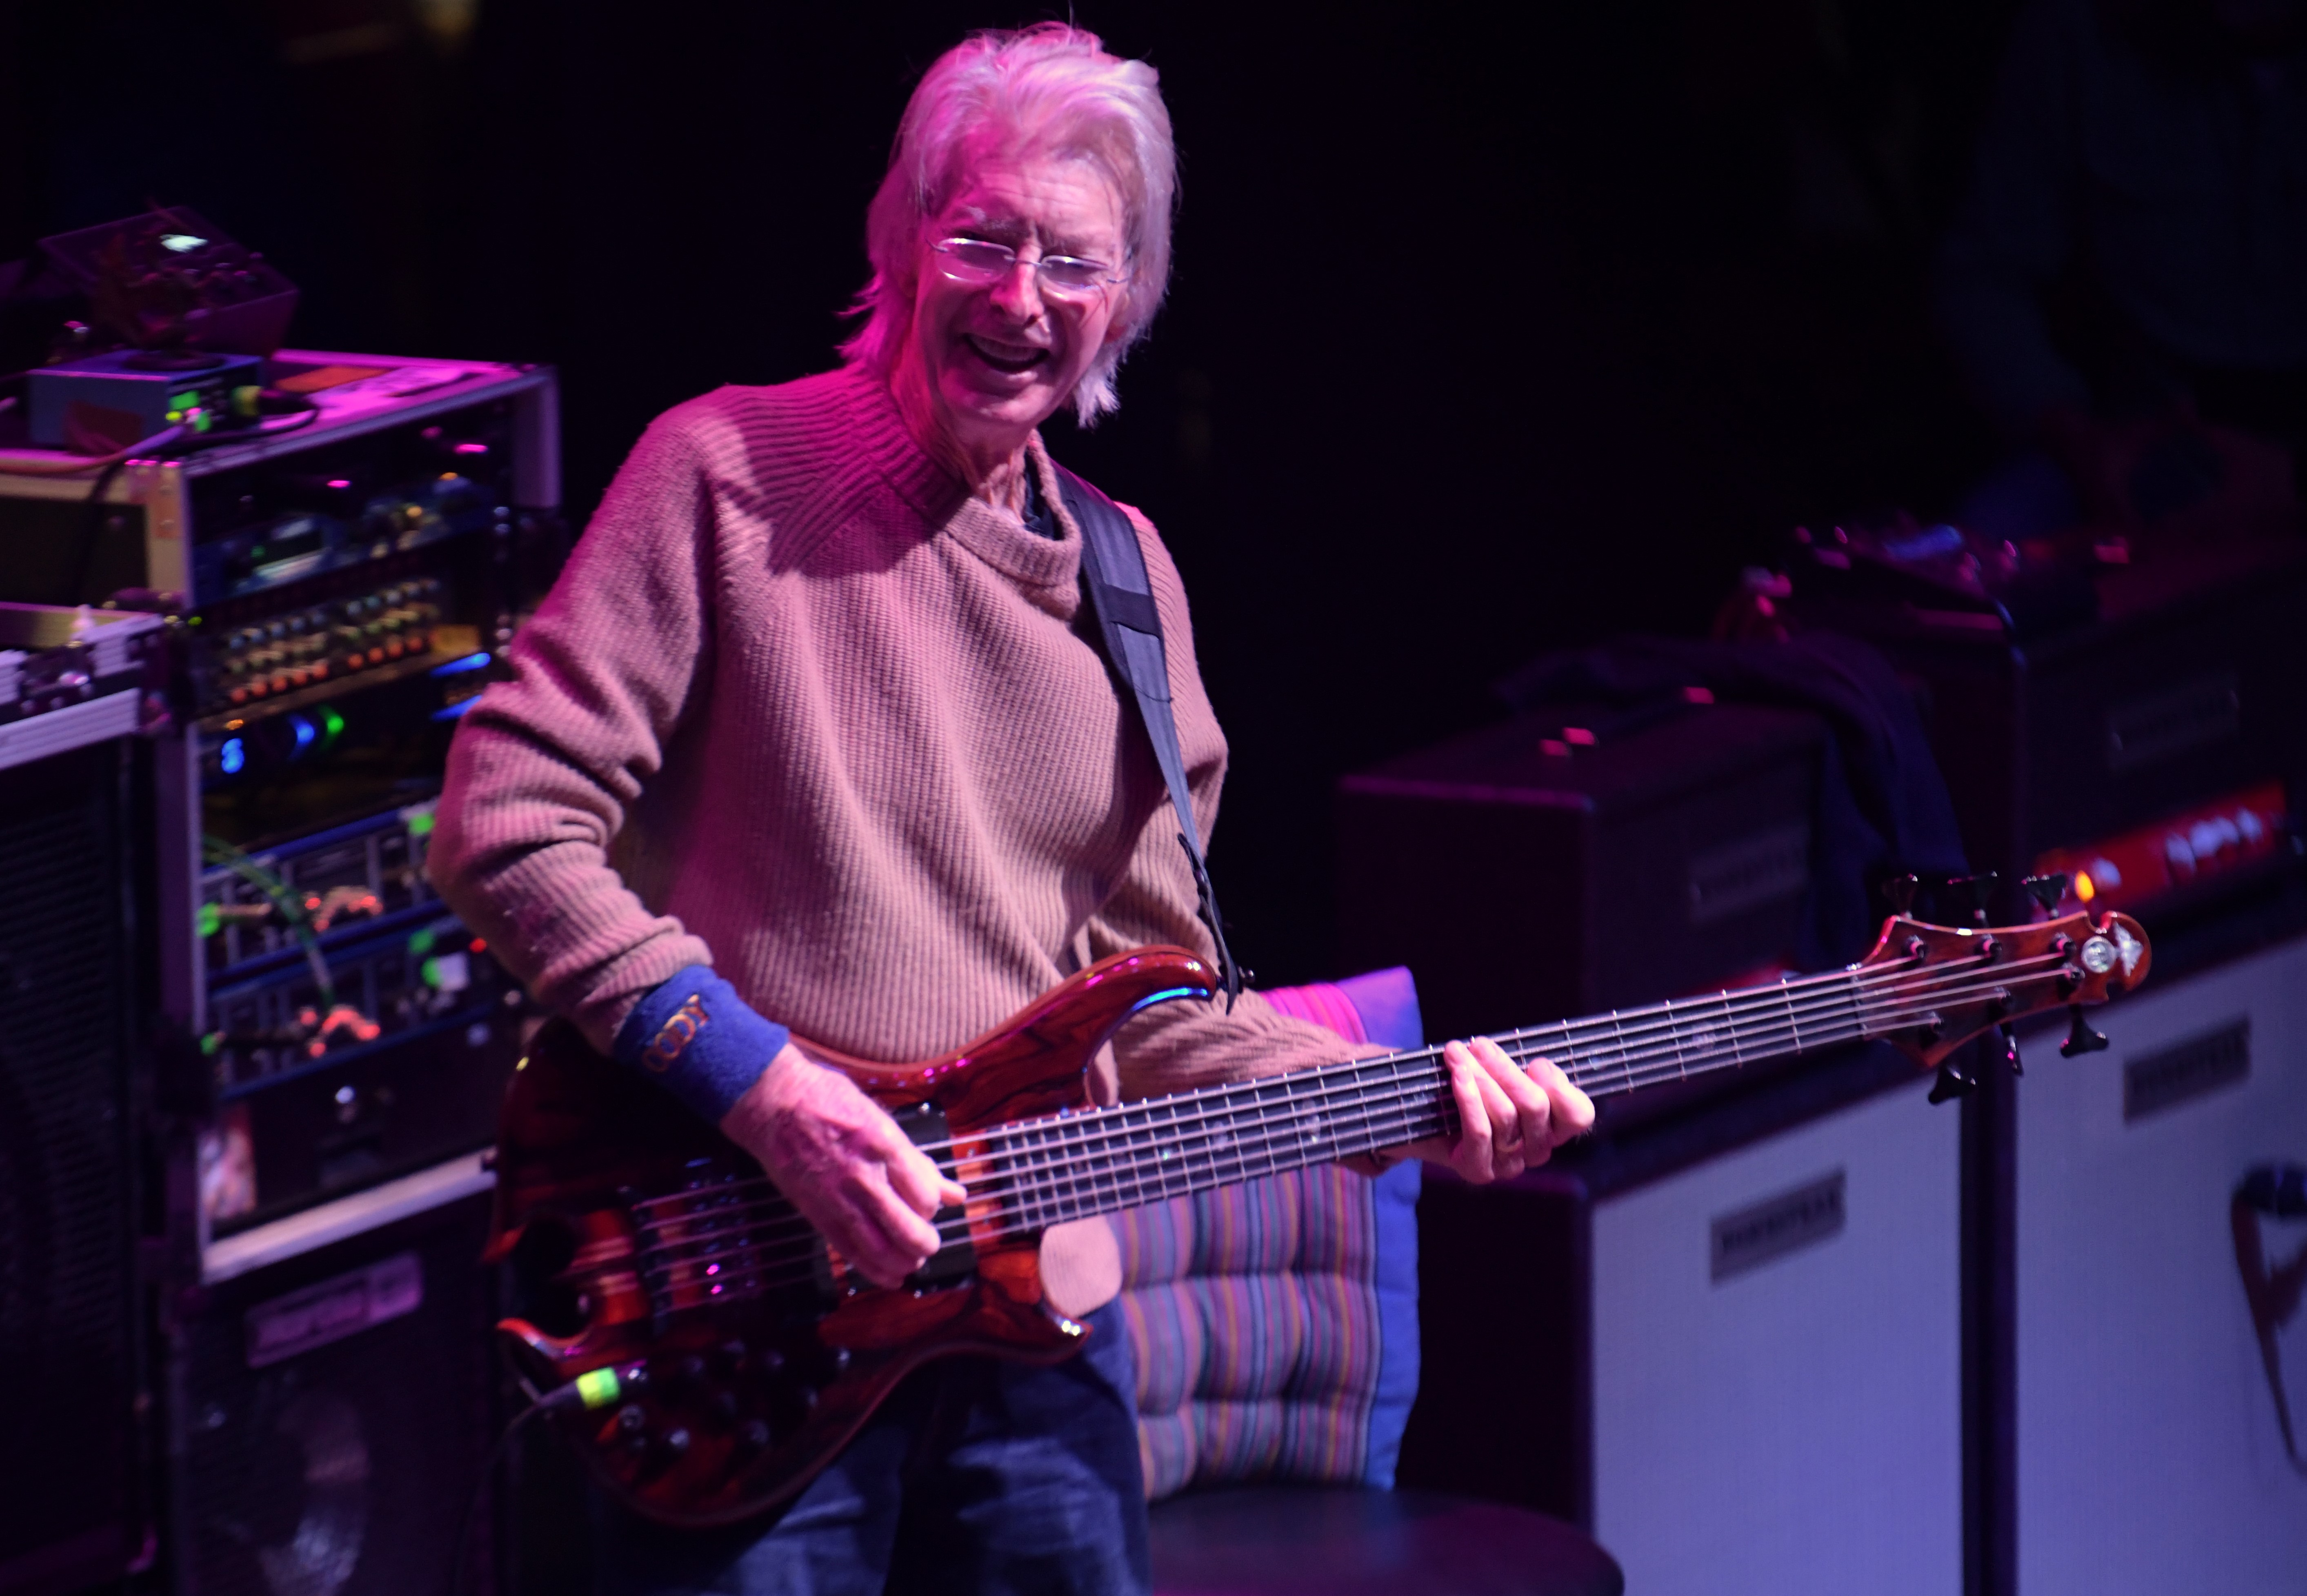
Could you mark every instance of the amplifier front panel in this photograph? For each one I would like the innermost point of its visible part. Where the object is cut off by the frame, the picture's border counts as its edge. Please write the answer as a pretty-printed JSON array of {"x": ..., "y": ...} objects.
[
  {"x": 2150, "y": 1454},
  {"x": 1777, "y": 1363}
]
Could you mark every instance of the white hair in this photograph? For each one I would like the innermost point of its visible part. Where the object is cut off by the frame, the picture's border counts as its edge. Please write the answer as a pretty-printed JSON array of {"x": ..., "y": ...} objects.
[{"x": 1049, "y": 89}]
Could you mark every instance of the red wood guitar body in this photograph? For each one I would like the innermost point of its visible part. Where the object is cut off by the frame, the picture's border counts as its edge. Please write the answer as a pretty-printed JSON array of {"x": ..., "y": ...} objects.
[{"x": 644, "y": 1242}]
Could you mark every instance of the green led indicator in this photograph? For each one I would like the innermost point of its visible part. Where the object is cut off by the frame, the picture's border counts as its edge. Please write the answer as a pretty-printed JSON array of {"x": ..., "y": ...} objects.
[
  {"x": 420, "y": 825},
  {"x": 184, "y": 401},
  {"x": 420, "y": 943},
  {"x": 332, "y": 726},
  {"x": 599, "y": 1387},
  {"x": 431, "y": 971},
  {"x": 209, "y": 921},
  {"x": 211, "y": 1042}
]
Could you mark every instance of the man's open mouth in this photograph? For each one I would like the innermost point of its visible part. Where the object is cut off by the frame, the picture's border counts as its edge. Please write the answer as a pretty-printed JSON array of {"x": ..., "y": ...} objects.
[{"x": 1013, "y": 358}]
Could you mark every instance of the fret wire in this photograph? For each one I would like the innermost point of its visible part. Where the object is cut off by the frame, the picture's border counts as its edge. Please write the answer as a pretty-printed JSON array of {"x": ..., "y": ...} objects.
[
  {"x": 1153, "y": 1140},
  {"x": 1568, "y": 1048},
  {"x": 1836, "y": 988},
  {"x": 1398, "y": 1108},
  {"x": 1240, "y": 1157},
  {"x": 1906, "y": 984},
  {"x": 1405, "y": 1113},
  {"x": 1400, "y": 1113}
]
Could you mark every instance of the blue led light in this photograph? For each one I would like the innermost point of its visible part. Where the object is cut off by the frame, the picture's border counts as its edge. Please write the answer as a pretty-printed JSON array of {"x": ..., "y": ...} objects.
[
  {"x": 232, "y": 756},
  {"x": 1163, "y": 996},
  {"x": 457, "y": 708},
  {"x": 458, "y": 667},
  {"x": 306, "y": 732}
]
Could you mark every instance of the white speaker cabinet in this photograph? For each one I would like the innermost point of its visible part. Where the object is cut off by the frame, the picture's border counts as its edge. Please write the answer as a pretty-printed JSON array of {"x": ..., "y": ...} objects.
[
  {"x": 1729, "y": 1345},
  {"x": 2149, "y": 1455}
]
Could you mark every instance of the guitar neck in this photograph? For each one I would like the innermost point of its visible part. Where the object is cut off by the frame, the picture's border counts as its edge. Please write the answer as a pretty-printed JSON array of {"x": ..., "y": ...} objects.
[{"x": 1073, "y": 1166}]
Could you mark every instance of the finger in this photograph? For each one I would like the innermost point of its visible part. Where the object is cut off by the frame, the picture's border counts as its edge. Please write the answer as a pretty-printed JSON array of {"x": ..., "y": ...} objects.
[
  {"x": 1572, "y": 1110},
  {"x": 891, "y": 1240},
  {"x": 918, "y": 1180},
  {"x": 863, "y": 1242},
  {"x": 908, "y": 1231},
  {"x": 1471, "y": 1155},
  {"x": 1532, "y": 1110},
  {"x": 1505, "y": 1126}
]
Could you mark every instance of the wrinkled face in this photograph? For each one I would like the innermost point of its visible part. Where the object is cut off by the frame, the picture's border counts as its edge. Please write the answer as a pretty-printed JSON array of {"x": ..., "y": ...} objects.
[{"x": 999, "y": 358}]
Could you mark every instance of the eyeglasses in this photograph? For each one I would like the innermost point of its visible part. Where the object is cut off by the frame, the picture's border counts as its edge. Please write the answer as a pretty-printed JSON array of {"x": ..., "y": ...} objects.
[{"x": 980, "y": 261}]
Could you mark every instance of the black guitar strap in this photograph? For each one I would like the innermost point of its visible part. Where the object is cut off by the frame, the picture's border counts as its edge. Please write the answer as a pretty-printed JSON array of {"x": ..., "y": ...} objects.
[{"x": 1123, "y": 596}]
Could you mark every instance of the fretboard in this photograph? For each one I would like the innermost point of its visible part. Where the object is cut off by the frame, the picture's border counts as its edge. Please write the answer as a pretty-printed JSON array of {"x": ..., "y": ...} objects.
[{"x": 1077, "y": 1164}]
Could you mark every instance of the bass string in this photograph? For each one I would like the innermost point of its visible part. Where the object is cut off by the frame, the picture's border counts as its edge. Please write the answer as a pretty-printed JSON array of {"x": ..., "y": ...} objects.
[
  {"x": 1405, "y": 1116},
  {"x": 1038, "y": 1186},
  {"x": 1695, "y": 1018},
  {"x": 1774, "y": 1017},
  {"x": 1091, "y": 1135},
  {"x": 661, "y": 1255}
]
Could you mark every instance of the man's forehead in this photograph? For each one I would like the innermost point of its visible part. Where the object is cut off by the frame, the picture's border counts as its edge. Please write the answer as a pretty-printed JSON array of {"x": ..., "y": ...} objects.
[{"x": 1006, "y": 205}]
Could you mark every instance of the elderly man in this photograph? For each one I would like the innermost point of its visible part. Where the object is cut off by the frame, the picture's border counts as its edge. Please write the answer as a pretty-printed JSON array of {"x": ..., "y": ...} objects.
[{"x": 814, "y": 727}]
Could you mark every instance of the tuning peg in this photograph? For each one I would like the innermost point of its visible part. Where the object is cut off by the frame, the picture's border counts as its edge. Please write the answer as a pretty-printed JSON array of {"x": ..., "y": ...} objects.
[
  {"x": 2081, "y": 1037},
  {"x": 1952, "y": 1084},
  {"x": 2046, "y": 890},
  {"x": 2010, "y": 1050},
  {"x": 1900, "y": 892},
  {"x": 1981, "y": 890}
]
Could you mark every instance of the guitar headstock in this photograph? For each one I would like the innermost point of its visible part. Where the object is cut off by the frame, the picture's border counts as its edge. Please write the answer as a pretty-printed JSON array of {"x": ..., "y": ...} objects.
[{"x": 1928, "y": 988}]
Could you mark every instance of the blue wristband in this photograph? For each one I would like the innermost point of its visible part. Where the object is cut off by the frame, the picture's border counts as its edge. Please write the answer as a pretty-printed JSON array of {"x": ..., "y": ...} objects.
[{"x": 695, "y": 1035}]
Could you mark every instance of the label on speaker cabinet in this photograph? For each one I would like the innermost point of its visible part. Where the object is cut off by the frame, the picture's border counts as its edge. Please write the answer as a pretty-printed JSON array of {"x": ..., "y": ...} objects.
[
  {"x": 335, "y": 1308},
  {"x": 2196, "y": 713},
  {"x": 2182, "y": 1072},
  {"x": 1753, "y": 1236},
  {"x": 1760, "y": 869}
]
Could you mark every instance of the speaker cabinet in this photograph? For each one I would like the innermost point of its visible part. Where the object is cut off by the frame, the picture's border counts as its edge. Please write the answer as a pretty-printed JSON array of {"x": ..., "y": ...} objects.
[
  {"x": 339, "y": 1404},
  {"x": 1730, "y": 1346},
  {"x": 72, "y": 1487},
  {"x": 2150, "y": 1453},
  {"x": 1523, "y": 877}
]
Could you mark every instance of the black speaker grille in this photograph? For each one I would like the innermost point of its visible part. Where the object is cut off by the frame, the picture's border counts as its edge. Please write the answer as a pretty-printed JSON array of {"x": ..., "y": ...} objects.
[
  {"x": 344, "y": 1470},
  {"x": 68, "y": 1300}
]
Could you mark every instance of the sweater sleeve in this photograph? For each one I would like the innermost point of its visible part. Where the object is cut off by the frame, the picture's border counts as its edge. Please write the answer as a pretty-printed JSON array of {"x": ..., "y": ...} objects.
[
  {"x": 545, "y": 766},
  {"x": 1177, "y": 1045},
  {"x": 2016, "y": 231}
]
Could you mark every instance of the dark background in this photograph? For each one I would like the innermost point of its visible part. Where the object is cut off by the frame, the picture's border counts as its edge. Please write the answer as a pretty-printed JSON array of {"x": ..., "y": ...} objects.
[{"x": 1487, "y": 337}]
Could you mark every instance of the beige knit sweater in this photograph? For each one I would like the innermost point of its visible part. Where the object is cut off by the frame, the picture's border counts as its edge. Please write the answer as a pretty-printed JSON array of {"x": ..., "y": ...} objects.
[{"x": 802, "y": 709}]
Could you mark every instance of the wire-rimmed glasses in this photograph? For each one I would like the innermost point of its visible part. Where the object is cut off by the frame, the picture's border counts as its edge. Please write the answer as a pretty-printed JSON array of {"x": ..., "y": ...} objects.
[{"x": 981, "y": 261}]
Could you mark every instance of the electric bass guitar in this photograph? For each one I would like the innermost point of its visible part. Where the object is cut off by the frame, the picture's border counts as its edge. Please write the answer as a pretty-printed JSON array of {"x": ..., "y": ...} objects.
[{"x": 699, "y": 1344}]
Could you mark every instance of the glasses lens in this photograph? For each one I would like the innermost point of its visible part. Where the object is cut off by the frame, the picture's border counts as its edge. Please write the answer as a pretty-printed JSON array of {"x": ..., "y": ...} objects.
[
  {"x": 1070, "y": 275},
  {"x": 974, "y": 261}
]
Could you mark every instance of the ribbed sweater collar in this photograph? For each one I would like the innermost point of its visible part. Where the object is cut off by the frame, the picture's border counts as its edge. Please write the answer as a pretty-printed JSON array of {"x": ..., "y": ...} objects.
[{"x": 943, "y": 501}]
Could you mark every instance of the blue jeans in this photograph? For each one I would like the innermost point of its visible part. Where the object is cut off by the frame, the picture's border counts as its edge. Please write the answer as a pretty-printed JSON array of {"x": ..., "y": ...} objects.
[{"x": 976, "y": 1476}]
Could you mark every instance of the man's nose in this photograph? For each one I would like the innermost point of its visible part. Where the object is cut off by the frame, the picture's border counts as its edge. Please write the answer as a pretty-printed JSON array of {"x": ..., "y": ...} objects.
[{"x": 1019, "y": 294}]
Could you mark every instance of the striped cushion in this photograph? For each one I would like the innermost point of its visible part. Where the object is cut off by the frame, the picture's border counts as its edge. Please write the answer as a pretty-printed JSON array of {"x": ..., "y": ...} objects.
[{"x": 1275, "y": 1324}]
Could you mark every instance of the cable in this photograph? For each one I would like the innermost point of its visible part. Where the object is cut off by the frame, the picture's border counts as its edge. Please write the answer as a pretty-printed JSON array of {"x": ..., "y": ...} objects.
[
  {"x": 463, "y": 1545},
  {"x": 216, "y": 851},
  {"x": 297, "y": 421},
  {"x": 598, "y": 1389},
  {"x": 102, "y": 462}
]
